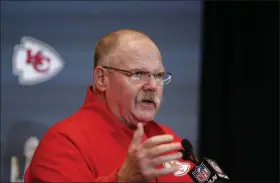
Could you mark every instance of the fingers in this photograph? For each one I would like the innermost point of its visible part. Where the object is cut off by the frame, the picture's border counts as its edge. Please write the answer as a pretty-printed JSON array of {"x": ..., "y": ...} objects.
[
  {"x": 163, "y": 148},
  {"x": 160, "y": 139},
  {"x": 147, "y": 155},
  {"x": 163, "y": 159},
  {"x": 154, "y": 173},
  {"x": 138, "y": 134},
  {"x": 165, "y": 171}
]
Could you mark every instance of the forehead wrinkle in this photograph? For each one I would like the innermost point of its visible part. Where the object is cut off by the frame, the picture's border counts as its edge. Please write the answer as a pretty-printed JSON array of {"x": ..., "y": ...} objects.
[
  {"x": 138, "y": 51},
  {"x": 136, "y": 61}
]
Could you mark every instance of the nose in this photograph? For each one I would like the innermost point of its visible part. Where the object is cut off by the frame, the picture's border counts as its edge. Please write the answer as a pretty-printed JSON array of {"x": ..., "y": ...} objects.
[{"x": 151, "y": 84}]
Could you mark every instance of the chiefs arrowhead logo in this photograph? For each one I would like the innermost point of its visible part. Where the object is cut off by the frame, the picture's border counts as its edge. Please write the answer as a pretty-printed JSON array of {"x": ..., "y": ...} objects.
[
  {"x": 183, "y": 167},
  {"x": 35, "y": 62}
]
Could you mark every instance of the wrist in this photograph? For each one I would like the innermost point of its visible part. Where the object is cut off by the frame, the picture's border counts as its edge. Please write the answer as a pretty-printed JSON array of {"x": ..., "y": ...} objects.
[{"x": 121, "y": 176}]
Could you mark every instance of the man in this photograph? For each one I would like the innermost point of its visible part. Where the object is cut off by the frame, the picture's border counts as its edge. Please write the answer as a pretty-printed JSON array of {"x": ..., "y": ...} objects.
[{"x": 112, "y": 137}]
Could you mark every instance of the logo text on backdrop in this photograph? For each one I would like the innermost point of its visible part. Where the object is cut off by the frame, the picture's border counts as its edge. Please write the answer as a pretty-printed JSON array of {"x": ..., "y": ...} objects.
[{"x": 35, "y": 62}]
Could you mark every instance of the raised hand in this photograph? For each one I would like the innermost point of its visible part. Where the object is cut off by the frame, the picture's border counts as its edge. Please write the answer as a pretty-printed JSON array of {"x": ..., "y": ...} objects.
[{"x": 143, "y": 158}]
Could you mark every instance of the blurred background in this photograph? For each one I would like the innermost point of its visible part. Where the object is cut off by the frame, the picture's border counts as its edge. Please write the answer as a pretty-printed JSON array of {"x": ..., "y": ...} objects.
[{"x": 221, "y": 59}]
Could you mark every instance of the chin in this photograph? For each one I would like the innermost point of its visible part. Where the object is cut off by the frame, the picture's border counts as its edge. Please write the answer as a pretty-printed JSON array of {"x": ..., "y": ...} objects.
[{"x": 145, "y": 116}]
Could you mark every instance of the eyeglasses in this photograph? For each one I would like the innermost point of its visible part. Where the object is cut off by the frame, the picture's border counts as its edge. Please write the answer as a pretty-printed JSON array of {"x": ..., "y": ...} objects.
[{"x": 162, "y": 78}]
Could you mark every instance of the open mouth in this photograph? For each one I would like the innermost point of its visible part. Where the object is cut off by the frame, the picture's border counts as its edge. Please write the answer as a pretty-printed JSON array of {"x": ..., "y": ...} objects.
[{"x": 148, "y": 103}]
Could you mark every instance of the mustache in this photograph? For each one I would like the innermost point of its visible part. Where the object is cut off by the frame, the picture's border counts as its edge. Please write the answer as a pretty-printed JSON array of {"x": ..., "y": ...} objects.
[{"x": 148, "y": 96}]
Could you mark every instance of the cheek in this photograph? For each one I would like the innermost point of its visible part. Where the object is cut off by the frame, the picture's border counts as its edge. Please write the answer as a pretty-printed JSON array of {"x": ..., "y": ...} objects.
[
  {"x": 124, "y": 92},
  {"x": 159, "y": 93},
  {"x": 125, "y": 95},
  {"x": 128, "y": 95}
]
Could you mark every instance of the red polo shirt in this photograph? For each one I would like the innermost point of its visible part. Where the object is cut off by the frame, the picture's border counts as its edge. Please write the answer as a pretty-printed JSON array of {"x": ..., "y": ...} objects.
[{"x": 90, "y": 146}]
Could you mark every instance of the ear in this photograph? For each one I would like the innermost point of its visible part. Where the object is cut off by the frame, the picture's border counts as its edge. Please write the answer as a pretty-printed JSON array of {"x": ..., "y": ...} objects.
[{"x": 99, "y": 75}]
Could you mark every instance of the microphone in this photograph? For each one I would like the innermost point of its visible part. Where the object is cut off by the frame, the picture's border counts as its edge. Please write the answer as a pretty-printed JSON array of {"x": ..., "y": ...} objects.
[
  {"x": 206, "y": 170},
  {"x": 188, "y": 148}
]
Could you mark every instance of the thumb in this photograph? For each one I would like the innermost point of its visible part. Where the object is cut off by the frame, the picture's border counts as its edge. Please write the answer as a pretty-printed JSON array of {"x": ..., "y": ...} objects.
[{"x": 138, "y": 134}]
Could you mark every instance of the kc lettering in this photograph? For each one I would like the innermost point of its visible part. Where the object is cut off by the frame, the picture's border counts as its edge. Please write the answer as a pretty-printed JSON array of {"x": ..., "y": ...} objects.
[{"x": 35, "y": 62}]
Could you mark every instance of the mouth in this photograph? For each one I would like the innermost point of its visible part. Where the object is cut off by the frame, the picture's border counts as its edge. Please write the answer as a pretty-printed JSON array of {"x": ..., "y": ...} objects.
[{"x": 148, "y": 103}]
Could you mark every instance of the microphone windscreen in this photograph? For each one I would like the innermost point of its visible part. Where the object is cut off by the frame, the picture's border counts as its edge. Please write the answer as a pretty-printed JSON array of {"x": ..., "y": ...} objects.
[
  {"x": 186, "y": 155},
  {"x": 187, "y": 145}
]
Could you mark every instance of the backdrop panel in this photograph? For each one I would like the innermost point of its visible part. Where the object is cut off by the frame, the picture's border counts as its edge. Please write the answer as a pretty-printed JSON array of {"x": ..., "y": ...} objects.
[{"x": 72, "y": 29}]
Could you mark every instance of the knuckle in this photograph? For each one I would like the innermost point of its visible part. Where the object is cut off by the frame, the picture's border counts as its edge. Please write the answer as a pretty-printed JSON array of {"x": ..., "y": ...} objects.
[
  {"x": 157, "y": 161},
  {"x": 140, "y": 154},
  {"x": 159, "y": 148},
  {"x": 148, "y": 173},
  {"x": 132, "y": 149},
  {"x": 155, "y": 151},
  {"x": 160, "y": 158},
  {"x": 149, "y": 142}
]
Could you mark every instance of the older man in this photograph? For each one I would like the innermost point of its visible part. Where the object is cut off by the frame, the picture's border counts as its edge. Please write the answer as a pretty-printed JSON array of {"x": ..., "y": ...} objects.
[{"x": 113, "y": 136}]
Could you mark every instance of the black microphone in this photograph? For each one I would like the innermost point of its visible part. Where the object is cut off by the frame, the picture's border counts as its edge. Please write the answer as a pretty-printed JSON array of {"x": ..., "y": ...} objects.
[
  {"x": 188, "y": 148},
  {"x": 206, "y": 170}
]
